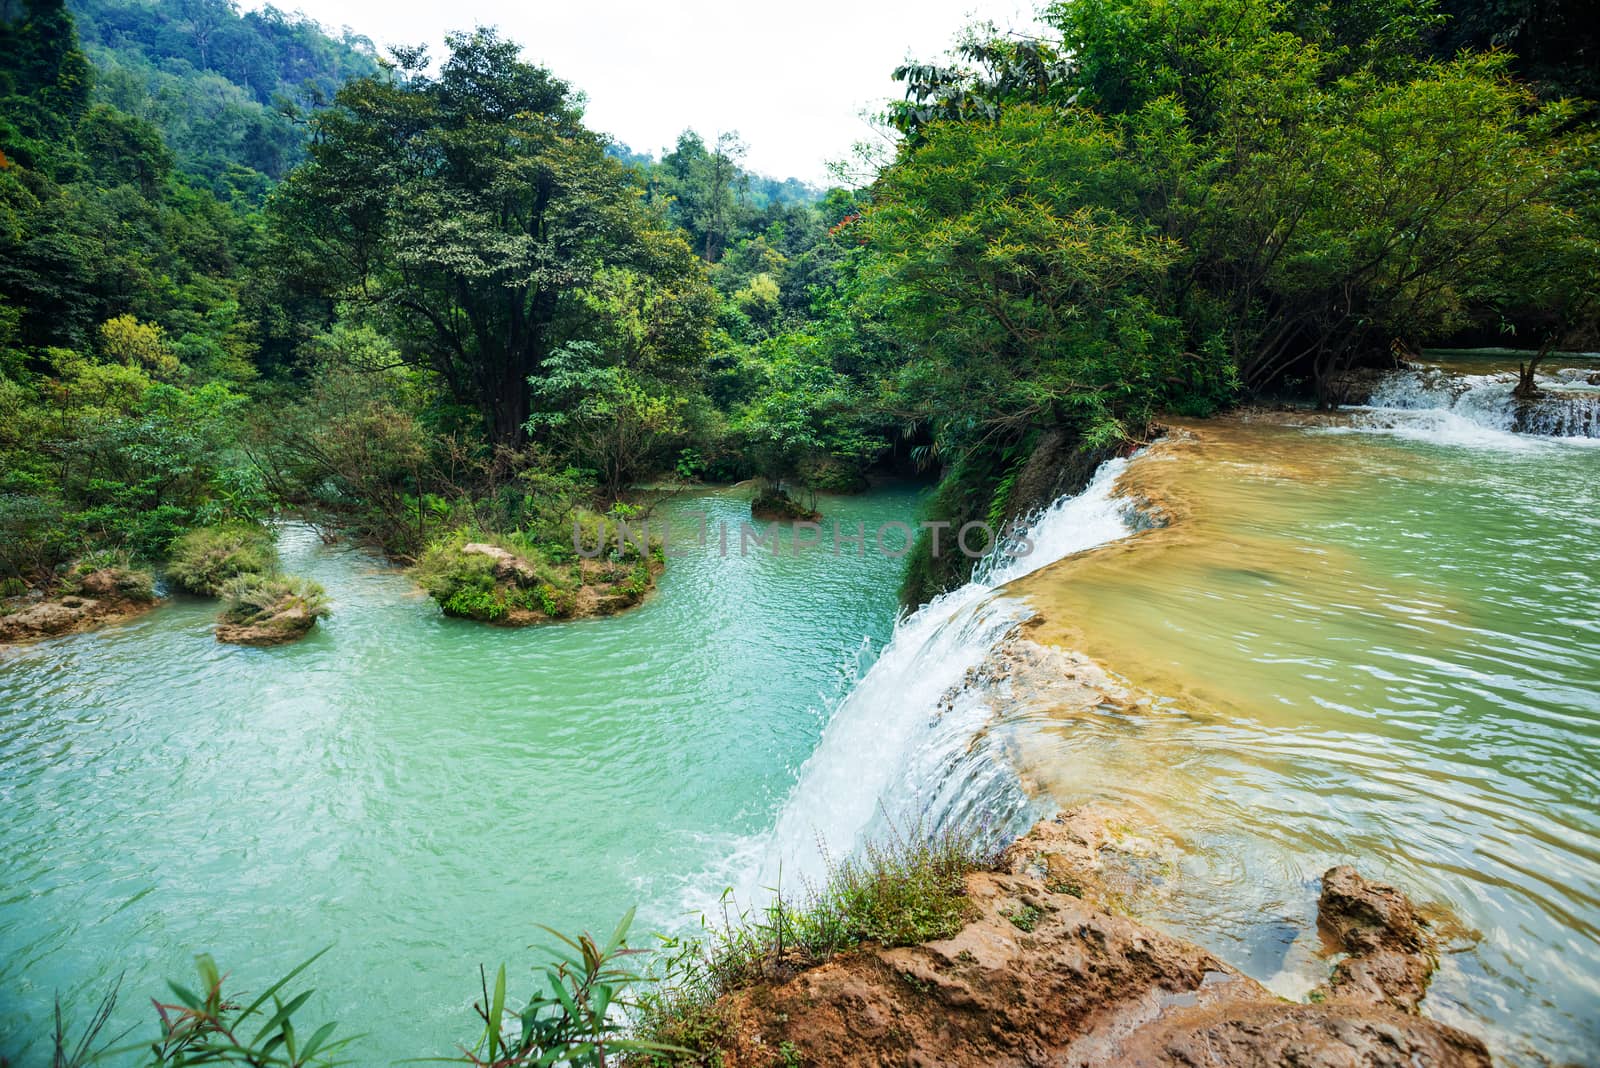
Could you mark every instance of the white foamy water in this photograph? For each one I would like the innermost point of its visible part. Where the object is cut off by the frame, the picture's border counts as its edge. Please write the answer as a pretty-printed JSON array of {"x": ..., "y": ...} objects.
[
  {"x": 896, "y": 750},
  {"x": 1479, "y": 410}
]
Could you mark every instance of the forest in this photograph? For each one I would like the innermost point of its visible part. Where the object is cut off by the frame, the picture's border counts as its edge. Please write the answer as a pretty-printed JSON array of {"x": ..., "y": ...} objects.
[{"x": 409, "y": 297}]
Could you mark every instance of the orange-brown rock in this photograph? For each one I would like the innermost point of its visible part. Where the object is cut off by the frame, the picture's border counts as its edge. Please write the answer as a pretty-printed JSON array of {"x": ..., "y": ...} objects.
[
  {"x": 96, "y": 599},
  {"x": 1390, "y": 960},
  {"x": 1044, "y": 974}
]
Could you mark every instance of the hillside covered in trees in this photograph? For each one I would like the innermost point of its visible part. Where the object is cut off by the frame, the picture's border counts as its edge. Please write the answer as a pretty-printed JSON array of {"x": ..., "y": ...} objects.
[
  {"x": 247, "y": 268},
  {"x": 230, "y": 91}
]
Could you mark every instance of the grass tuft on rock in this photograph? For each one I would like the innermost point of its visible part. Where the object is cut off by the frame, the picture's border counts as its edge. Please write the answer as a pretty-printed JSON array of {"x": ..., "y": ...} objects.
[
  {"x": 254, "y": 599},
  {"x": 905, "y": 889}
]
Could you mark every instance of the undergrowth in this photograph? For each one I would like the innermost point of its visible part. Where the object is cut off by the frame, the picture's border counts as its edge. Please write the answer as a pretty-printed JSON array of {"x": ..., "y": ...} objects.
[
  {"x": 905, "y": 889},
  {"x": 539, "y": 575},
  {"x": 204, "y": 560}
]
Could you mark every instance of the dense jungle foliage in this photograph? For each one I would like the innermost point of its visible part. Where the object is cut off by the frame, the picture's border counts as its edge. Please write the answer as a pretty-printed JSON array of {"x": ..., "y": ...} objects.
[{"x": 248, "y": 269}]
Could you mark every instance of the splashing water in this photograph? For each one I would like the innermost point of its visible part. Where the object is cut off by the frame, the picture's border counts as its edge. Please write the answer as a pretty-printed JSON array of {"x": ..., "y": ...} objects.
[
  {"x": 897, "y": 750},
  {"x": 1437, "y": 404}
]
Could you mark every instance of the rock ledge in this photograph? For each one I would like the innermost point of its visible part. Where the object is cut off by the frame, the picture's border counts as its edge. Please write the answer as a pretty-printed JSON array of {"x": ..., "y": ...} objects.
[
  {"x": 100, "y": 597},
  {"x": 1046, "y": 974}
]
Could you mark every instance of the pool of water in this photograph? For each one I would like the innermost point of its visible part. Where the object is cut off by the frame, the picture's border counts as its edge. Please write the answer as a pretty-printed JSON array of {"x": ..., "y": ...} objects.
[
  {"x": 1367, "y": 646},
  {"x": 415, "y": 791}
]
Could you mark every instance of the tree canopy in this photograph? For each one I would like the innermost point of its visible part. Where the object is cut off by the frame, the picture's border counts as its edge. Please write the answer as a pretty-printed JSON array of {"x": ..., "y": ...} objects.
[
  {"x": 476, "y": 218},
  {"x": 246, "y": 264}
]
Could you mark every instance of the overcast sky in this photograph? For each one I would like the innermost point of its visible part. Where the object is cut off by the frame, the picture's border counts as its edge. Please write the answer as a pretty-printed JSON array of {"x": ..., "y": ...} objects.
[{"x": 791, "y": 78}]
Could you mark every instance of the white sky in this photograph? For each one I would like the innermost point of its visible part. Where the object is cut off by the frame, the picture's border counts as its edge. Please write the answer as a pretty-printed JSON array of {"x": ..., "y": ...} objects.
[{"x": 792, "y": 78}]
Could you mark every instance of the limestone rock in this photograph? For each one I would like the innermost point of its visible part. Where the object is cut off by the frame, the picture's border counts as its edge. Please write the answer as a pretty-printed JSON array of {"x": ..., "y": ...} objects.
[
  {"x": 1390, "y": 960},
  {"x": 508, "y": 566},
  {"x": 1043, "y": 975},
  {"x": 103, "y": 596}
]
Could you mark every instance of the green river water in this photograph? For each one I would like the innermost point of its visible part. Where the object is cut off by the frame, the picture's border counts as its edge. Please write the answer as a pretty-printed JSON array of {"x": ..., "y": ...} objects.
[
  {"x": 416, "y": 791},
  {"x": 1379, "y": 646},
  {"x": 1374, "y": 648}
]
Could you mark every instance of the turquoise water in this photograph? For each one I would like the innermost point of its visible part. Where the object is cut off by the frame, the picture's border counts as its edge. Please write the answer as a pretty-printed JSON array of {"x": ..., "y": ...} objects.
[
  {"x": 1378, "y": 645},
  {"x": 416, "y": 791}
]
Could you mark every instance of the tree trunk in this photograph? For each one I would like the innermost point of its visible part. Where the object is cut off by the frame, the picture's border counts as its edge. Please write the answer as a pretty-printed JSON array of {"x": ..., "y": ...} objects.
[
  {"x": 1527, "y": 386},
  {"x": 506, "y": 401},
  {"x": 506, "y": 407}
]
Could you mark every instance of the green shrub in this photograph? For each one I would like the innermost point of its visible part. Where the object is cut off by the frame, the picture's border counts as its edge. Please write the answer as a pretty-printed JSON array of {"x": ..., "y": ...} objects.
[
  {"x": 832, "y": 475},
  {"x": 470, "y": 602},
  {"x": 638, "y": 581},
  {"x": 205, "y": 560},
  {"x": 904, "y": 891},
  {"x": 13, "y": 587},
  {"x": 463, "y": 584},
  {"x": 443, "y": 568},
  {"x": 577, "y": 1018},
  {"x": 557, "y": 603},
  {"x": 100, "y": 560},
  {"x": 466, "y": 585},
  {"x": 257, "y": 598}
]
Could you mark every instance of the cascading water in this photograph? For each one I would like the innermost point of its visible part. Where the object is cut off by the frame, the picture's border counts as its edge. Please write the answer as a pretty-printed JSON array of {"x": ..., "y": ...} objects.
[
  {"x": 899, "y": 748},
  {"x": 1438, "y": 401}
]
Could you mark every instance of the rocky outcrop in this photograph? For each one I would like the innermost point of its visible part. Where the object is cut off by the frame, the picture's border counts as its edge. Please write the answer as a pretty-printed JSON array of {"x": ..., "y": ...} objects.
[
  {"x": 270, "y": 609},
  {"x": 95, "y": 599},
  {"x": 1390, "y": 959},
  {"x": 278, "y": 628},
  {"x": 1045, "y": 973},
  {"x": 492, "y": 583},
  {"x": 508, "y": 566},
  {"x": 777, "y": 506}
]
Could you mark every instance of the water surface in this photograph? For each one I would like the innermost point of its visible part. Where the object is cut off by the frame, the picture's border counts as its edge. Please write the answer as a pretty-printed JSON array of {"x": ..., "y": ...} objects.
[
  {"x": 416, "y": 791},
  {"x": 1379, "y": 647}
]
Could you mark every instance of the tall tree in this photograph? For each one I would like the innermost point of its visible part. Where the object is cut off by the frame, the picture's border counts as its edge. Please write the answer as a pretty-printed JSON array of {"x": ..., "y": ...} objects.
[
  {"x": 706, "y": 188},
  {"x": 468, "y": 213},
  {"x": 44, "y": 78}
]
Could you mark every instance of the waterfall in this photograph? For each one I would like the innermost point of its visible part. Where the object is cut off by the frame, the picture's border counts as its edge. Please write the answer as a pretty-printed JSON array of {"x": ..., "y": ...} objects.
[
  {"x": 1433, "y": 400},
  {"x": 899, "y": 746}
]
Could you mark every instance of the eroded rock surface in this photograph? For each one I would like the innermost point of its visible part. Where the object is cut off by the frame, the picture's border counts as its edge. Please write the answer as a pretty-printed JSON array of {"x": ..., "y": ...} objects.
[
  {"x": 1390, "y": 960},
  {"x": 278, "y": 628},
  {"x": 100, "y": 597},
  {"x": 1046, "y": 974}
]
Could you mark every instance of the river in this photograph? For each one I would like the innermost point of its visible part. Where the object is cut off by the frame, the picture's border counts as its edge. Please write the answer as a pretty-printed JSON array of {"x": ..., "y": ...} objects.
[
  {"x": 415, "y": 791},
  {"x": 1367, "y": 637},
  {"x": 1373, "y": 638}
]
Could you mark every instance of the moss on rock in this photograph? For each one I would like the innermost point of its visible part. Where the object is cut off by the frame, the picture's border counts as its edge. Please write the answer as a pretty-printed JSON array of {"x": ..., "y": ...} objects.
[{"x": 510, "y": 580}]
